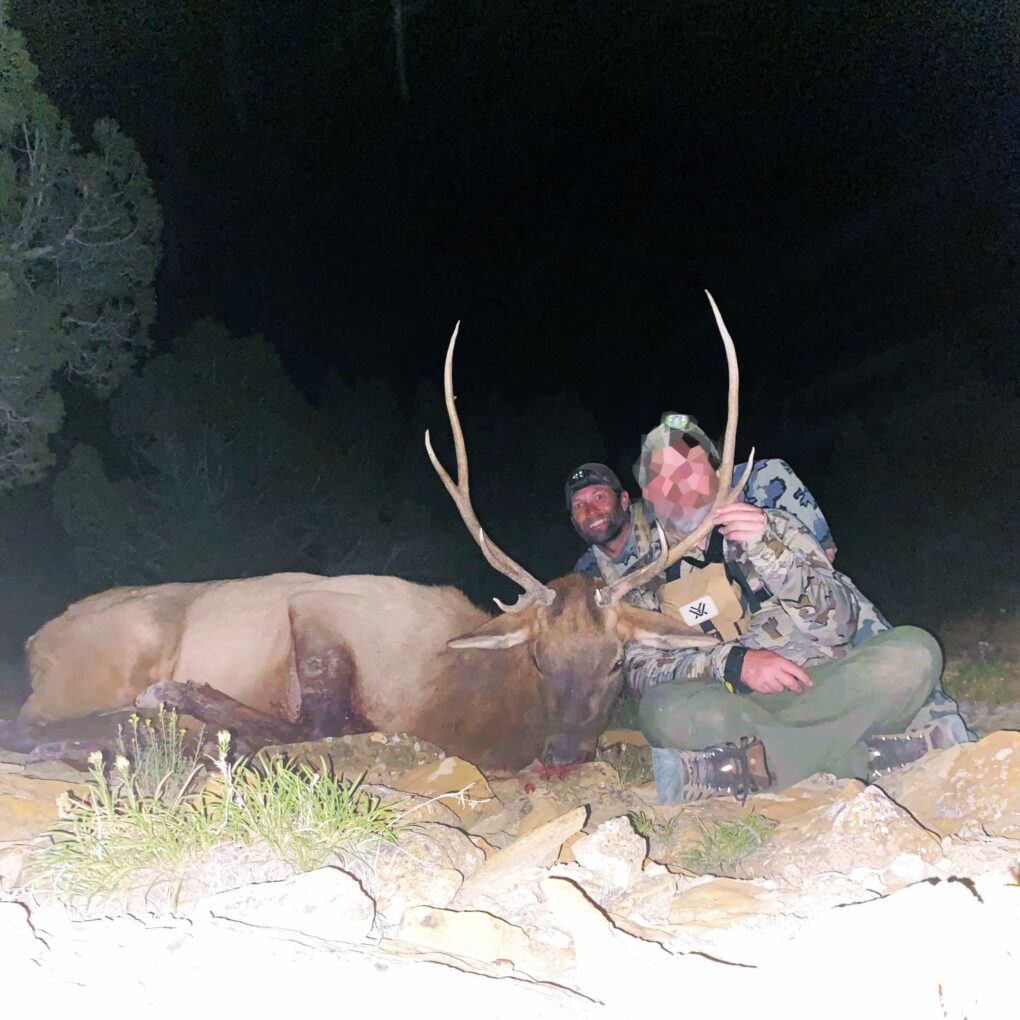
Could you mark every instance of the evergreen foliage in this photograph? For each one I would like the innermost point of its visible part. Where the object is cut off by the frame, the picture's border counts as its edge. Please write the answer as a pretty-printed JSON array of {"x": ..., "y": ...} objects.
[
  {"x": 79, "y": 246},
  {"x": 227, "y": 468}
]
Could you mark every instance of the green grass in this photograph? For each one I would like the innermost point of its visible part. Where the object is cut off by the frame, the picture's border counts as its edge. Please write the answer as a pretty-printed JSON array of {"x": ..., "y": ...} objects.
[
  {"x": 646, "y": 825},
  {"x": 987, "y": 680},
  {"x": 161, "y": 764},
  {"x": 117, "y": 839},
  {"x": 726, "y": 845}
]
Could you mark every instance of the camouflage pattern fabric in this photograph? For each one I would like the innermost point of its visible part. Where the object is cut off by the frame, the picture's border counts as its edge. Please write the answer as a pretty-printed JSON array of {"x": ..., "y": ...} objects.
[
  {"x": 772, "y": 485},
  {"x": 791, "y": 624},
  {"x": 811, "y": 617}
]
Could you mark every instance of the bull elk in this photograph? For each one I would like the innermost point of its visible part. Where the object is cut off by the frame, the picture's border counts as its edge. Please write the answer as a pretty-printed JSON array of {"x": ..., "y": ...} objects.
[{"x": 291, "y": 656}]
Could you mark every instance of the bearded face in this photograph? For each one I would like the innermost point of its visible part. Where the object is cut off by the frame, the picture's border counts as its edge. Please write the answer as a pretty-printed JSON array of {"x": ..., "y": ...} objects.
[
  {"x": 599, "y": 514},
  {"x": 681, "y": 485}
]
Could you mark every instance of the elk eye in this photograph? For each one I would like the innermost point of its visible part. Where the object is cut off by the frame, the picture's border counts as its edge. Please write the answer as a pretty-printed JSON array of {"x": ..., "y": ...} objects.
[{"x": 617, "y": 666}]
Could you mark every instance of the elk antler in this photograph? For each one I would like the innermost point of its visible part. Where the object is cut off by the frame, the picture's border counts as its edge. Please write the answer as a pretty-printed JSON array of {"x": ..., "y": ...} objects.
[
  {"x": 535, "y": 593},
  {"x": 611, "y": 594}
]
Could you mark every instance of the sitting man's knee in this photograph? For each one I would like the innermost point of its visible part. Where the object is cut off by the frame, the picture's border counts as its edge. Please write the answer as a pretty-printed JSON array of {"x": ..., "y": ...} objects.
[
  {"x": 675, "y": 714},
  {"x": 919, "y": 654}
]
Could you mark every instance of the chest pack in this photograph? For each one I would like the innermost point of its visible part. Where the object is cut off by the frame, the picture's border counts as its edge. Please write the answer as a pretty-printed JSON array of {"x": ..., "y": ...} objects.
[{"x": 715, "y": 596}]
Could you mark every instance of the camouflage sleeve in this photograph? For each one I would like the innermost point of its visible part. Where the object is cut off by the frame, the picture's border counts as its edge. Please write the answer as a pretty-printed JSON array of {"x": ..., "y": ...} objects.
[
  {"x": 645, "y": 667},
  {"x": 820, "y": 604},
  {"x": 773, "y": 485}
]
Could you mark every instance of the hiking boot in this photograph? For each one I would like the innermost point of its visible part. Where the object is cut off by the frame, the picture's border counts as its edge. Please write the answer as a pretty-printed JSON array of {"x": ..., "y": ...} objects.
[
  {"x": 889, "y": 751},
  {"x": 684, "y": 776}
]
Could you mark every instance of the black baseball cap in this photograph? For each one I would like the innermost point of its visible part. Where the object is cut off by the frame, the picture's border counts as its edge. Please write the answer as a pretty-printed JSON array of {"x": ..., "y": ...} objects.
[{"x": 590, "y": 474}]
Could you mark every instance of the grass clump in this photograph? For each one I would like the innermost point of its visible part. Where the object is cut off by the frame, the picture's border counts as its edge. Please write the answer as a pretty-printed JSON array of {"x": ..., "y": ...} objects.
[
  {"x": 119, "y": 840},
  {"x": 632, "y": 762},
  {"x": 646, "y": 825},
  {"x": 161, "y": 764},
  {"x": 991, "y": 681},
  {"x": 726, "y": 845}
]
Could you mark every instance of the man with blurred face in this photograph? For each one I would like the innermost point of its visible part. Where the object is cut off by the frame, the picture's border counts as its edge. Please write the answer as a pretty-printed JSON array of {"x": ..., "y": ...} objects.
[{"x": 793, "y": 675}]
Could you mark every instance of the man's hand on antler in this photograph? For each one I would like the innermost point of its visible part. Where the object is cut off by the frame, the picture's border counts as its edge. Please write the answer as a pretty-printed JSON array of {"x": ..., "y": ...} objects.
[
  {"x": 741, "y": 522},
  {"x": 768, "y": 672}
]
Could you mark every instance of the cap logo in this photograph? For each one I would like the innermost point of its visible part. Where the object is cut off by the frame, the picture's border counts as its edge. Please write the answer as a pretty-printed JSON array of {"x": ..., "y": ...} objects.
[{"x": 677, "y": 421}]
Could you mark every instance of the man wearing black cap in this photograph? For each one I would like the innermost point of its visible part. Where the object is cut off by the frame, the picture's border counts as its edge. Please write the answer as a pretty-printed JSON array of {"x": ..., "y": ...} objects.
[{"x": 599, "y": 510}]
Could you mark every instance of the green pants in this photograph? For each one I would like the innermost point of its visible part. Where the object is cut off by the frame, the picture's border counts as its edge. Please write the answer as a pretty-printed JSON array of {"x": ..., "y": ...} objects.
[{"x": 877, "y": 688}]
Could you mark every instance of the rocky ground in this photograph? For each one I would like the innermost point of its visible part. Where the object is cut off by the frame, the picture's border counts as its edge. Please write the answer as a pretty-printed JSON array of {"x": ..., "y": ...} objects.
[{"x": 565, "y": 895}]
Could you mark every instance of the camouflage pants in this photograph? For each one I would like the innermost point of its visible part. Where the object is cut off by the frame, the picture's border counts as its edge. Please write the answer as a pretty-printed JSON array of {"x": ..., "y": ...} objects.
[{"x": 877, "y": 688}]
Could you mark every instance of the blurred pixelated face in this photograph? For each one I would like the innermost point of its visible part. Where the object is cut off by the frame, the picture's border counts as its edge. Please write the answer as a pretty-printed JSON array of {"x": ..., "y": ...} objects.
[{"x": 681, "y": 483}]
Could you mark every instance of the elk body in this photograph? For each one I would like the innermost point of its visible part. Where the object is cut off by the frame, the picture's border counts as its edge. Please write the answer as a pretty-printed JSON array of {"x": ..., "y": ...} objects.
[{"x": 335, "y": 655}]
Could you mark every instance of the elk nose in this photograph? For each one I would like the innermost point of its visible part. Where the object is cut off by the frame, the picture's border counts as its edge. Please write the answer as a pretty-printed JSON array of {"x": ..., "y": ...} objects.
[{"x": 562, "y": 749}]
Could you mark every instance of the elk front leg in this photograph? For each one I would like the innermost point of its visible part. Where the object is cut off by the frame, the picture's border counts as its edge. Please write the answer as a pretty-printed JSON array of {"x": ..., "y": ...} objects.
[{"x": 219, "y": 711}]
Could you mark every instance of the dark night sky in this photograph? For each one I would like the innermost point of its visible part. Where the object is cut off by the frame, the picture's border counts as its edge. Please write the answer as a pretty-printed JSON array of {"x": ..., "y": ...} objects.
[{"x": 567, "y": 178}]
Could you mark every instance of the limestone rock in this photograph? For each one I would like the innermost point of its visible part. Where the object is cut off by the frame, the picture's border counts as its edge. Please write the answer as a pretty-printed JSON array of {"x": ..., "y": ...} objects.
[
  {"x": 14, "y": 859},
  {"x": 456, "y": 783},
  {"x": 19, "y": 944},
  {"x": 477, "y": 935},
  {"x": 614, "y": 852},
  {"x": 941, "y": 949},
  {"x": 427, "y": 867},
  {"x": 594, "y": 785},
  {"x": 540, "y": 848},
  {"x": 327, "y": 903},
  {"x": 860, "y": 827},
  {"x": 967, "y": 788},
  {"x": 717, "y": 903},
  {"x": 29, "y": 806},
  {"x": 413, "y": 808},
  {"x": 378, "y": 757},
  {"x": 649, "y": 900}
]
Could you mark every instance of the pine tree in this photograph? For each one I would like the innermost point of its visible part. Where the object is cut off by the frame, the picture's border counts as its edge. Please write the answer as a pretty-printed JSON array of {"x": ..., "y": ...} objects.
[{"x": 79, "y": 247}]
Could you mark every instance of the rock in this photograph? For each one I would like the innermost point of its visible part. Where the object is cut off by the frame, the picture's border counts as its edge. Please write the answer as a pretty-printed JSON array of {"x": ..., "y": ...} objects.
[
  {"x": 412, "y": 807},
  {"x": 327, "y": 903},
  {"x": 934, "y": 950},
  {"x": 55, "y": 769},
  {"x": 14, "y": 859},
  {"x": 19, "y": 944},
  {"x": 717, "y": 903},
  {"x": 621, "y": 970},
  {"x": 427, "y": 867},
  {"x": 649, "y": 900},
  {"x": 377, "y": 757},
  {"x": 467, "y": 933},
  {"x": 456, "y": 783},
  {"x": 968, "y": 788},
  {"x": 29, "y": 806},
  {"x": 614, "y": 852},
  {"x": 539, "y": 848},
  {"x": 860, "y": 827},
  {"x": 594, "y": 785}
]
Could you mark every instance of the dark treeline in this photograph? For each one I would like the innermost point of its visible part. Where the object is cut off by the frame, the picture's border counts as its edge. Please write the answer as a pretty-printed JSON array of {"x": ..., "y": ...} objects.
[{"x": 565, "y": 179}]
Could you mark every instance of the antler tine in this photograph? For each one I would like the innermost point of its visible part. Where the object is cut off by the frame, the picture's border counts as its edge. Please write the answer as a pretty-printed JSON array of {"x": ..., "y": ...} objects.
[
  {"x": 724, "y": 496},
  {"x": 534, "y": 590}
]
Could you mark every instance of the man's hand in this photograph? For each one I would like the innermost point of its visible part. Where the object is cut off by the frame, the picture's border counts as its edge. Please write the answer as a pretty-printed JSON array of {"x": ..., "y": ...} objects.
[
  {"x": 741, "y": 522},
  {"x": 768, "y": 672}
]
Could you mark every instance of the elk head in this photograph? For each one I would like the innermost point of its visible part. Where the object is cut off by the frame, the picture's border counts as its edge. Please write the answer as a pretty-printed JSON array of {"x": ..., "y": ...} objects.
[{"x": 575, "y": 630}]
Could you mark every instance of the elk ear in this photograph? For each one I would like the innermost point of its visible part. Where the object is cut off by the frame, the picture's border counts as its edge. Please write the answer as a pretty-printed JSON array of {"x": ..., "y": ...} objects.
[
  {"x": 657, "y": 630},
  {"x": 505, "y": 631}
]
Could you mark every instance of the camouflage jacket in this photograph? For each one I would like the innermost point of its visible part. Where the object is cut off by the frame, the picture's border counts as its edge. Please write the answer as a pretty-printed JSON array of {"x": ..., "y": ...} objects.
[
  {"x": 772, "y": 485},
  {"x": 808, "y": 611},
  {"x": 805, "y": 610}
]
